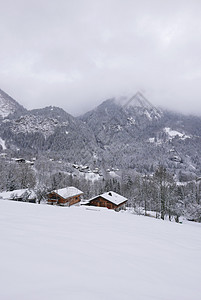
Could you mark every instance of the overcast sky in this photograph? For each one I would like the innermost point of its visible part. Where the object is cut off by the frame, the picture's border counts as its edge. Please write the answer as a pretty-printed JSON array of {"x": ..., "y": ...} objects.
[{"x": 77, "y": 53}]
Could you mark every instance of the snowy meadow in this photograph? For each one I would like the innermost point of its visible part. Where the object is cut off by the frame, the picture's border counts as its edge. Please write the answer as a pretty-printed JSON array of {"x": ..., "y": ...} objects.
[{"x": 51, "y": 252}]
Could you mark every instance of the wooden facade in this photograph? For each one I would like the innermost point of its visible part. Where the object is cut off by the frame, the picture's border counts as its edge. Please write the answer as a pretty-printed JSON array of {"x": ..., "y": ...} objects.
[
  {"x": 54, "y": 198},
  {"x": 102, "y": 202}
]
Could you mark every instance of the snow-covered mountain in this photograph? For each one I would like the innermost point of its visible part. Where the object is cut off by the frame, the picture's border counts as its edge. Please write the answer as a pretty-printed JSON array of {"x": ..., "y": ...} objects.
[
  {"x": 123, "y": 114},
  {"x": 8, "y": 105},
  {"x": 49, "y": 129},
  {"x": 123, "y": 120},
  {"x": 133, "y": 134},
  {"x": 45, "y": 121},
  {"x": 128, "y": 133}
]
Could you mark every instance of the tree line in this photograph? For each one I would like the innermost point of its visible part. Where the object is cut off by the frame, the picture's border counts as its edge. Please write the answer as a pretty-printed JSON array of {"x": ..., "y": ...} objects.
[{"x": 157, "y": 194}]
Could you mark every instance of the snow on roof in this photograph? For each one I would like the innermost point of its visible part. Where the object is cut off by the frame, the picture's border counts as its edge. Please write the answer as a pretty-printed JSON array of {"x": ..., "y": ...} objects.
[
  {"x": 112, "y": 197},
  {"x": 18, "y": 194},
  {"x": 67, "y": 192}
]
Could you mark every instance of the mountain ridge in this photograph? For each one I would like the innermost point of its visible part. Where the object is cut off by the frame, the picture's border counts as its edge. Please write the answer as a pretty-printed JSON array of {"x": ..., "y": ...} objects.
[{"x": 136, "y": 136}]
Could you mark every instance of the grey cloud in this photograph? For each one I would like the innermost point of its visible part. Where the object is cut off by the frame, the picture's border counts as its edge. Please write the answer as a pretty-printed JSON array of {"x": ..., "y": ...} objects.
[{"x": 75, "y": 54}]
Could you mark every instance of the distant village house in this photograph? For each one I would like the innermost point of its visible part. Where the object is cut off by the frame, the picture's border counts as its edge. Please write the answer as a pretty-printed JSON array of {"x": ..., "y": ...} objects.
[
  {"x": 66, "y": 197},
  {"x": 110, "y": 200}
]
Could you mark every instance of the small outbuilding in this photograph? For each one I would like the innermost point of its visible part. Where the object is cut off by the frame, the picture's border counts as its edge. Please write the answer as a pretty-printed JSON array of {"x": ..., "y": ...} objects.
[
  {"x": 65, "y": 197},
  {"x": 110, "y": 200},
  {"x": 25, "y": 195}
]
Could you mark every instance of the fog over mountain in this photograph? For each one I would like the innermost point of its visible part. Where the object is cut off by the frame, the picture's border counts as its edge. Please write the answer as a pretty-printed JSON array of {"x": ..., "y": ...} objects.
[{"x": 76, "y": 54}]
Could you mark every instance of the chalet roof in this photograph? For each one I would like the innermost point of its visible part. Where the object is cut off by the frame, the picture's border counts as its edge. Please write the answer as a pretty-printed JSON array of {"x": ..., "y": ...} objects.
[
  {"x": 68, "y": 192},
  {"x": 112, "y": 197}
]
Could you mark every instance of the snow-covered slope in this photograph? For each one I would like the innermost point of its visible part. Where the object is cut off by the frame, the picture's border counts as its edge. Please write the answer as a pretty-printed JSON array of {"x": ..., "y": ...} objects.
[
  {"x": 125, "y": 133},
  {"x": 33, "y": 124},
  {"x": 121, "y": 118},
  {"x": 44, "y": 121},
  {"x": 135, "y": 134},
  {"x": 94, "y": 254},
  {"x": 8, "y": 105},
  {"x": 50, "y": 128},
  {"x": 174, "y": 133}
]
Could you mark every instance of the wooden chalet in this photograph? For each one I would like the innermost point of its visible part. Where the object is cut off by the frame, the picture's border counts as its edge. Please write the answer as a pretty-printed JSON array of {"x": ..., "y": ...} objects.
[
  {"x": 65, "y": 197},
  {"x": 110, "y": 200}
]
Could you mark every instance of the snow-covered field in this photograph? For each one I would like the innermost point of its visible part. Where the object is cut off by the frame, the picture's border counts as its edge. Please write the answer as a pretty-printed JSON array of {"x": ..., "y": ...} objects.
[{"x": 85, "y": 253}]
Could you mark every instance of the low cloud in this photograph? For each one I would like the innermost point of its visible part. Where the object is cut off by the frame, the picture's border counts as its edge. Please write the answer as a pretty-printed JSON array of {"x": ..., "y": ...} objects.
[{"x": 76, "y": 54}]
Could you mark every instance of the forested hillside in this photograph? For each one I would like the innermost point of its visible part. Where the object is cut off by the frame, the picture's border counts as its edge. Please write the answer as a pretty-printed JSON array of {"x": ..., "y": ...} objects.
[{"x": 149, "y": 155}]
